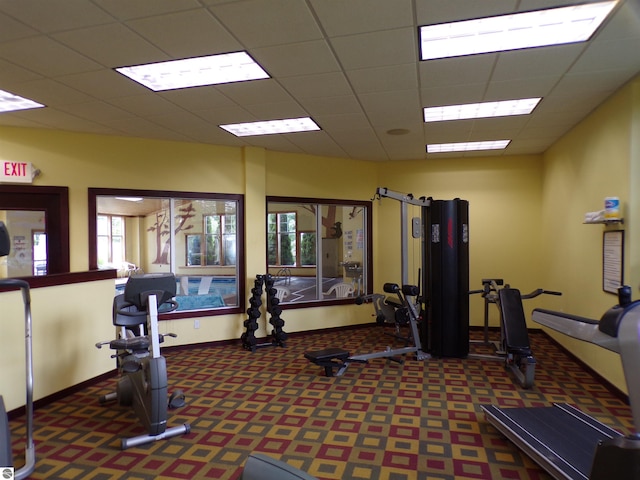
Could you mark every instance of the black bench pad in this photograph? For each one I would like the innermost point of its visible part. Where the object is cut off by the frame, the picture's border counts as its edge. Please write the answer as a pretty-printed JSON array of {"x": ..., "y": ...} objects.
[{"x": 327, "y": 354}]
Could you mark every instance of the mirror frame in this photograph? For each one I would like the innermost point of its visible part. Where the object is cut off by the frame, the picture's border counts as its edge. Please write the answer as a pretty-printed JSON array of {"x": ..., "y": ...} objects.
[{"x": 54, "y": 201}]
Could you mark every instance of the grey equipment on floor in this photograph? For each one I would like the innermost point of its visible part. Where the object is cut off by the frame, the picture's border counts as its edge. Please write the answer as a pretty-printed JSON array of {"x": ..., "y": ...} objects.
[
  {"x": 5, "y": 432},
  {"x": 263, "y": 467},
  {"x": 143, "y": 382},
  {"x": 339, "y": 359},
  {"x": 513, "y": 348},
  {"x": 567, "y": 443}
]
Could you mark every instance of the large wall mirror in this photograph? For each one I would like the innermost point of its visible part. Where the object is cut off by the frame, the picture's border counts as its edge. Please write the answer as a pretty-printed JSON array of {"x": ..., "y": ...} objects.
[
  {"x": 199, "y": 237},
  {"x": 319, "y": 250},
  {"x": 37, "y": 219}
]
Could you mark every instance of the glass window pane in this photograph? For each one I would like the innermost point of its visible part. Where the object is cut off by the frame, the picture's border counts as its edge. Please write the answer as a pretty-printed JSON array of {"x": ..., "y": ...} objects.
[
  {"x": 103, "y": 225},
  {"x": 183, "y": 236},
  {"x": 312, "y": 253}
]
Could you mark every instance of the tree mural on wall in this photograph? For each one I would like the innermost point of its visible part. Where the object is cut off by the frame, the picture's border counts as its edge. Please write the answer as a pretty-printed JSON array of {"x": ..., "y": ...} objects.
[
  {"x": 162, "y": 228},
  {"x": 332, "y": 228}
]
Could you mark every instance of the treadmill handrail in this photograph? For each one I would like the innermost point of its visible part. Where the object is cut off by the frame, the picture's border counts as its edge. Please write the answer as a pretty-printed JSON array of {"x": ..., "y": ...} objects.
[{"x": 585, "y": 329}]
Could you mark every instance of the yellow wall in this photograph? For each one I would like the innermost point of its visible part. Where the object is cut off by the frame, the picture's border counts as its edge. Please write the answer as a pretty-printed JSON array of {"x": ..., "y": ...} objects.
[
  {"x": 591, "y": 162},
  {"x": 525, "y": 226},
  {"x": 68, "y": 320}
]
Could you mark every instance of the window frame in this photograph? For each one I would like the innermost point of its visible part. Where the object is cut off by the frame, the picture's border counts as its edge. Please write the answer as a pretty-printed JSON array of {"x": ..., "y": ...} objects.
[
  {"x": 368, "y": 244},
  {"x": 94, "y": 193},
  {"x": 54, "y": 201}
]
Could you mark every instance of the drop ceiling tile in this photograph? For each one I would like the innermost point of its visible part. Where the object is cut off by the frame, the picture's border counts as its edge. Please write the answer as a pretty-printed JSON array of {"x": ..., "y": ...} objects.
[
  {"x": 392, "y": 108},
  {"x": 452, "y": 95},
  {"x": 344, "y": 124},
  {"x": 140, "y": 127},
  {"x": 609, "y": 55},
  {"x": 338, "y": 106},
  {"x": 95, "y": 111},
  {"x": 295, "y": 59},
  {"x": 261, "y": 23},
  {"x": 520, "y": 88},
  {"x": 13, "y": 29},
  {"x": 145, "y": 105},
  {"x": 255, "y": 92},
  {"x": 360, "y": 16},
  {"x": 64, "y": 121},
  {"x": 384, "y": 79},
  {"x": 46, "y": 57},
  {"x": 550, "y": 61},
  {"x": 186, "y": 34},
  {"x": 317, "y": 86},
  {"x": 113, "y": 45},
  {"x": 276, "y": 110},
  {"x": 447, "y": 72},
  {"x": 54, "y": 16},
  {"x": 13, "y": 75},
  {"x": 225, "y": 115},
  {"x": 441, "y": 11},
  {"x": 104, "y": 84},
  {"x": 197, "y": 98},
  {"x": 376, "y": 49},
  {"x": 125, "y": 9},
  {"x": 52, "y": 93}
]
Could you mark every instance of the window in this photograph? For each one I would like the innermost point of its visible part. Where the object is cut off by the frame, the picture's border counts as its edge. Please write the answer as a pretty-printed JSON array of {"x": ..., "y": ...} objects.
[
  {"x": 281, "y": 239},
  {"x": 314, "y": 244},
  {"x": 216, "y": 245},
  {"x": 196, "y": 236},
  {"x": 39, "y": 252},
  {"x": 111, "y": 241}
]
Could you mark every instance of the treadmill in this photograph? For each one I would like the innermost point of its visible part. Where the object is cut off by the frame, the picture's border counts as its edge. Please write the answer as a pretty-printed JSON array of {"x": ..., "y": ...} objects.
[{"x": 564, "y": 441}]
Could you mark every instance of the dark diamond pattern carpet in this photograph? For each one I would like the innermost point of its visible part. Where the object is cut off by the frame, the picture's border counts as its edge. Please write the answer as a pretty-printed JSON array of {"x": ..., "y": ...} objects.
[{"x": 383, "y": 420}]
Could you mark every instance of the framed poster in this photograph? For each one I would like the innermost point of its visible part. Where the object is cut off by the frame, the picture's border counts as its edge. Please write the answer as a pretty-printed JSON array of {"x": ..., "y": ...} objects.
[{"x": 612, "y": 260}]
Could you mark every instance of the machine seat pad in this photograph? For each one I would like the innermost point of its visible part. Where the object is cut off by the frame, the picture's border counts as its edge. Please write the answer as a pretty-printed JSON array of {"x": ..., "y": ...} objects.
[
  {"x": 327, "y": 354},
  {"x": 132, "y": 343}
]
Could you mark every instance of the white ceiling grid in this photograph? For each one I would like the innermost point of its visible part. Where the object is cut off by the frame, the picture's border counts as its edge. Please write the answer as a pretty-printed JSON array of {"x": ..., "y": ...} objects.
[{"x": 353, "y": 66}]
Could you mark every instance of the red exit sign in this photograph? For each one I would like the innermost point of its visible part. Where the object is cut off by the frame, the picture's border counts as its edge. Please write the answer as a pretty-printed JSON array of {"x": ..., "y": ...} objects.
[{"x": 16, "y": 172}]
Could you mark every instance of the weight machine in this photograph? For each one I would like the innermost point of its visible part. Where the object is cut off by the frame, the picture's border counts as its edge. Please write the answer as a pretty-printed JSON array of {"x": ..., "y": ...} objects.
[
  {"x": 513, "y": 347},
  {"x": 339, "y": 359}
]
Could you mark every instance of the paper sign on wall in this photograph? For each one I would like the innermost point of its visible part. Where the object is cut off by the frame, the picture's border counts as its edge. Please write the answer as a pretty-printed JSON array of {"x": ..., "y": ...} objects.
[{"x": 16, "y": 172}]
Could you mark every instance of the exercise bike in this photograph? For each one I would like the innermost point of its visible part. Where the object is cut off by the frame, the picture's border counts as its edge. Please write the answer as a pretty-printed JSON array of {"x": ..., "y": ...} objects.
[
  {"x": 339, "y": 359},
  {"x": 143, "y": 381},
  {"x": 513, "y": 348},
  {"x": 6, "y": 453}
]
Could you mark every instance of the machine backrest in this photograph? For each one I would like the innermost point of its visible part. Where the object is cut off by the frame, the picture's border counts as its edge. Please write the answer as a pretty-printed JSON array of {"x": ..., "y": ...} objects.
[
  {"x": 5, "y": 244},
  {"x": 262, "y": 467},
  {"x": 514, "y": 321},
  {"x": 139, "y": 287}
]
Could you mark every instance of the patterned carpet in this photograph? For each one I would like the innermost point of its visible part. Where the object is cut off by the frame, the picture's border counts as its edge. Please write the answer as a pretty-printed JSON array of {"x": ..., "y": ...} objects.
[{"x": 383, "y": 420}]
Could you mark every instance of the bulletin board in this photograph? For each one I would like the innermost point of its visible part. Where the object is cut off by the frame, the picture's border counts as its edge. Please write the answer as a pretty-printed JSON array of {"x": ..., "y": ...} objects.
[{"x": 612, "y": 260}]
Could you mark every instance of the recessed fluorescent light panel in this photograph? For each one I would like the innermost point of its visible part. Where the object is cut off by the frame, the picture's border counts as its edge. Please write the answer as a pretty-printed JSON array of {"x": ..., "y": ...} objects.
[
  {"x": 539, "y": 28},
  {"x": 467, "y": 146},
  {"x": 10, "y": 102},
  {"x": 196, "y": 72},
  {"x": 502, "y": 108},
  {"x": 270, "y": 127}
]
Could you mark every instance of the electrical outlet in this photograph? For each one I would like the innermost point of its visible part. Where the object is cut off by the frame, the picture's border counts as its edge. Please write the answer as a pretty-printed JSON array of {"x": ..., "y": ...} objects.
[{"x": 196, "y": 323}]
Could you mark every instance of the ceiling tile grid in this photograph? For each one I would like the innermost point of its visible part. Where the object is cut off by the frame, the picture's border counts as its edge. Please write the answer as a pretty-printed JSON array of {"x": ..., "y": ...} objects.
[{"x": 352, "y": 66}]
